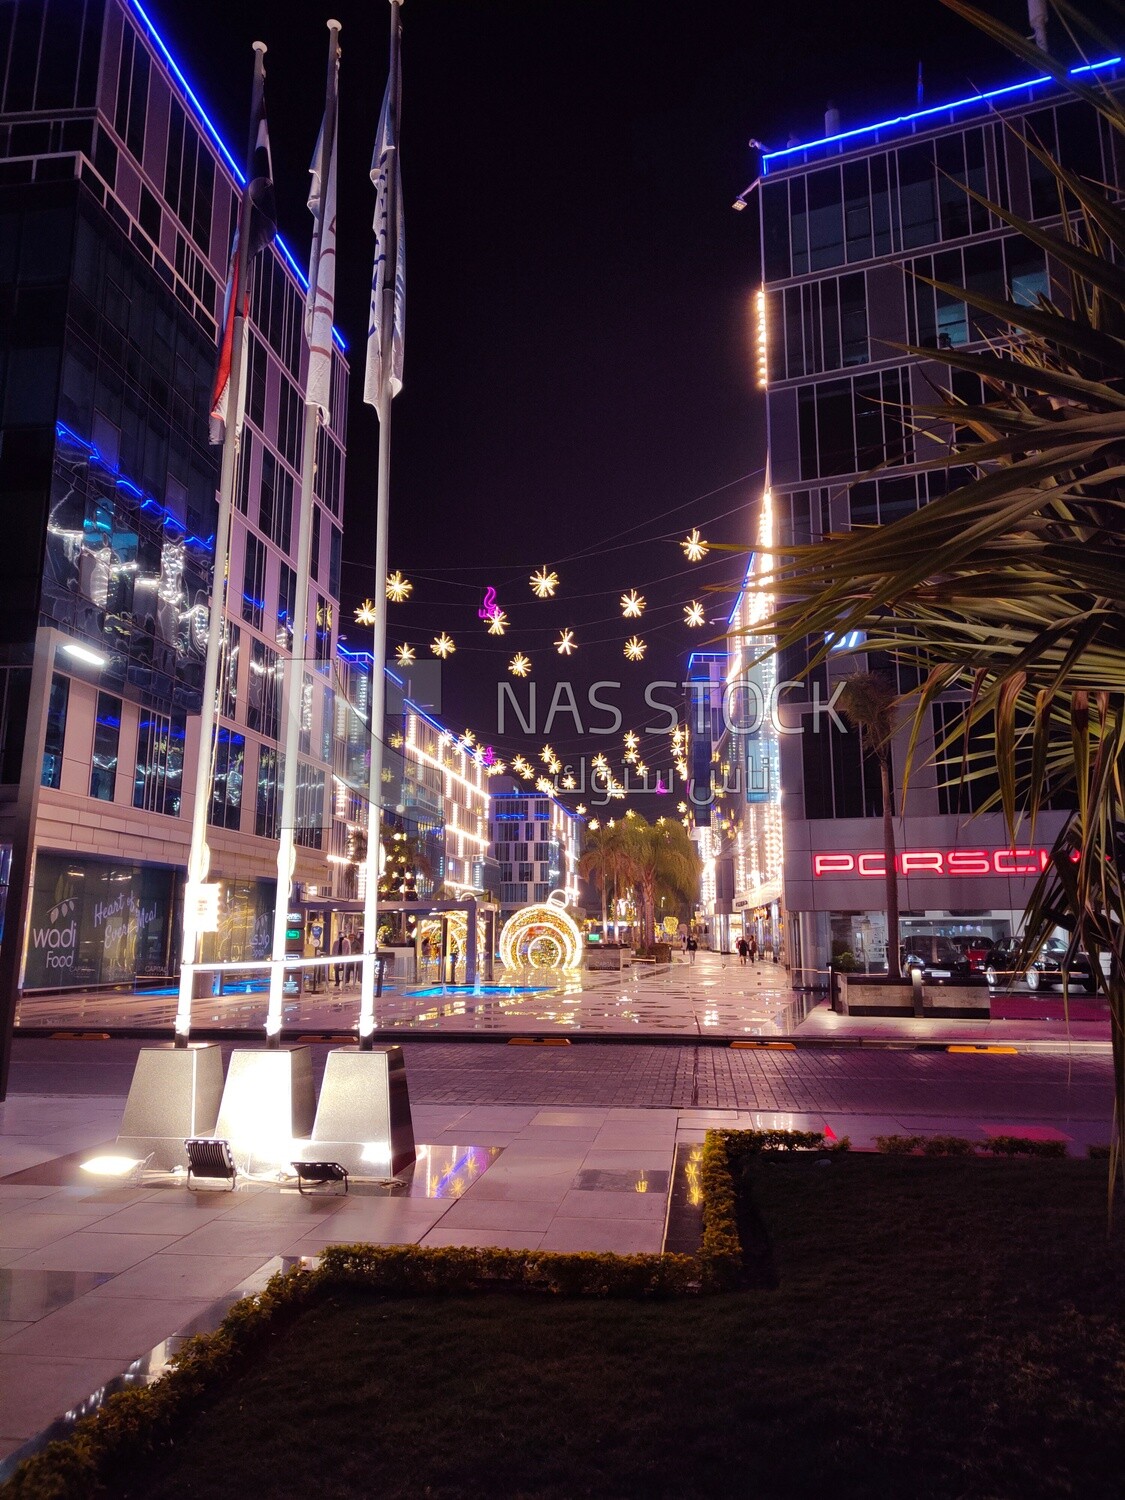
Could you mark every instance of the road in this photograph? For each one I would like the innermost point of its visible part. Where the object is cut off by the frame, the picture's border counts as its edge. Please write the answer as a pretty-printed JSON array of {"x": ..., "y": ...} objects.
[{"x": 925, "y": 1088}]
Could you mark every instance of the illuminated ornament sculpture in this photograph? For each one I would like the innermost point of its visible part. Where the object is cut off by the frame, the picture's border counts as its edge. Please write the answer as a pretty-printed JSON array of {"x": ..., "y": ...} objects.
[
  {"x": 566, "y": 643},
  {"x": 365, "y": 614},
  {"x": 443, "y": 646},
  {"x": 542, "y": 936},
  {"x": 497, "y": 622},
  {"x": 632, "y": 739},
  {"x": 520, "y": 665},
  {"x": 632, "y": 605},
  {"x": 695, "y": 548},
  {"x": 398, "y": 589},
  {"x": 635, "y": 648},
  {"x": 544, "y": 583},
  {"x": 405, "y": 656},
  {"x": 693, "y": 613}
]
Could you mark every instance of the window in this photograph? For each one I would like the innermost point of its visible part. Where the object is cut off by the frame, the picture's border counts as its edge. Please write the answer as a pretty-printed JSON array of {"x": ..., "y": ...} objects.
[
  {"x": 847, "y": 426},
  {"x": 825, "y": 324},
  {"x": 264, "y": 692},
  {"x": 228, "y": 671},
  {"x": 304, "y": 739},
  {"x": 245, "y": 454},
  {"x": 314, "y": 555},
  {"x": 257, "y": 369},
  {"x": 158, "y": 780},
  {"x": 960, "y": 164},
  {"x": 323, "y": 630},
  {"x": 254, "y": 582},
  {"x": 132, "y": 93},
  {"x": 267, "y": 806},
  {"x": 917, "y": 196},
  {"x": 335, "y": 560},
  {"x": 289, "y": 409},
  {"x": 310, "y": 807},
  {"x": 825, "y": 219},
  {"x": 15, "y": 686},
  {"x": 286, "y": 605},
  {"x": 326, "y": 725},
  {"x": 329, "y": 462},
  {"x": 56, "y": 731},
  {"x": 107, "y": 738},
  {"x": 841, "y": 776},
  {"x": 189, "y": 178},
  {"x": 226, "y": 790},
  {"x": 275, "y": 501}
]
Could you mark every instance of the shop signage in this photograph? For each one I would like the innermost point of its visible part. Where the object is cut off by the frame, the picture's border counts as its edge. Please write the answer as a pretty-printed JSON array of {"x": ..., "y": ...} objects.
[
  {"x": 204, "y": 900},
  {"x": 935, "y": 862}
]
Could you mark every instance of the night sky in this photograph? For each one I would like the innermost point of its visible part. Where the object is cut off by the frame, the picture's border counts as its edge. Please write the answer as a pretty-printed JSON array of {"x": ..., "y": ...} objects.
[{"x": 578, "y": 384}]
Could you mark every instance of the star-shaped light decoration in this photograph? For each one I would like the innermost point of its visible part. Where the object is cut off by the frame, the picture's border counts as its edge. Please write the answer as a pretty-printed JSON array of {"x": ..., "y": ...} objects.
[
  {"x": 399, "y": 589},
  {"x": 566, "y": 642},
  {"x": 386, "y": 773},
  {"x": 443, "y": 645},
  {"x": 594, "y": 825},
  {"x": 520, "y": 665},
  {"x": 580, "y": 810},
  {"x": 405, "y": 655},
  {"x": 520, "y": 766},
  {"x": 497, "y": 622},
  {"x": 693, "y": 613},
  {"x": 546, "y": 755},
  {"x": 365, "y": 614},
  {"x": 600, "y": 763},
  {"x": 569, "y": 783},
  {"x": 396, "y": 741},
  {"x": 681, "y": 807},
  {"x": 544, "y": 786},
  {"x": 632, "y": 739},
  {"x": 631, "y": 757},
  {"x": 635, "y": 648},
  {"x": 468, "y": 739},
  {"x": 612, "y": 823},
  {"x": 544, "y": 583},
  {"x": 629, "y": 813},
  {"x": 497, "y": 768},
  {"x": 632, "y": 605},
  {"x": 695, "y": 548}
]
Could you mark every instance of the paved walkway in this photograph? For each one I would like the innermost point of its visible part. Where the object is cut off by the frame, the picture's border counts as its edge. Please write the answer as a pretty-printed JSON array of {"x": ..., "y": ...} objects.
[{"x": 716, "y": 998}]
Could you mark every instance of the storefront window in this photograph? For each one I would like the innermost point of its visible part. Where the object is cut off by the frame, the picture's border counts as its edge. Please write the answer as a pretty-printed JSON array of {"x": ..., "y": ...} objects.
[
  {"x": 107, "y": 739},
  {"x": 56, "y": 731}
]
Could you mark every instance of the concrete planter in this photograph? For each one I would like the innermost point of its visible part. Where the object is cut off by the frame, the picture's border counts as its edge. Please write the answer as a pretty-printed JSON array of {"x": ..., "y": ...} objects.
[
  {"x": 597, "y": 957},
  {"x": 876, "y": 995}
]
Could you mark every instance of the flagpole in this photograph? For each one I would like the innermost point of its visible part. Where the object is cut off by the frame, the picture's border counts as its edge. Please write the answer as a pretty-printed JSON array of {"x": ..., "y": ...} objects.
[
  {"x": 287, "y": 840},
  {"x": 199, "y": 856},
  {"x": 379, "y": 632}
]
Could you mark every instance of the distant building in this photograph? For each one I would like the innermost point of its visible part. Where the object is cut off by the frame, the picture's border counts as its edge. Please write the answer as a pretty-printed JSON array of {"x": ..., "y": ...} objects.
[{"x": 535, "y": 842}]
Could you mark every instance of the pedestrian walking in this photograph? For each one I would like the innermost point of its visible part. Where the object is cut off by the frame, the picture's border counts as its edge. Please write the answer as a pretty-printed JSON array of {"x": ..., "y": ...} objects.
[
  {"x": 692, "y": 946},
  {"x": 743, "y": 951},
  {"x": 346, "y": 950},
  {"x": 337, "y": 968},
  {"x": 753, "y": 949}
]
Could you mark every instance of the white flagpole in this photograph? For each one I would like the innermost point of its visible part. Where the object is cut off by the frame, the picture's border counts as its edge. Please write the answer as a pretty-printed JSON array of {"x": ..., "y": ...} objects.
[
  {"x": 199, "y": 856},
  {"x": 379, "y": 632},
  {"x": 287, "y": 840}
]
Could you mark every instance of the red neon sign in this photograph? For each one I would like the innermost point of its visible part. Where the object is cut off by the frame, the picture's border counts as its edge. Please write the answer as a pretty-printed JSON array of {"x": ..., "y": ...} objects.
[{"x": 871, "y": 863}]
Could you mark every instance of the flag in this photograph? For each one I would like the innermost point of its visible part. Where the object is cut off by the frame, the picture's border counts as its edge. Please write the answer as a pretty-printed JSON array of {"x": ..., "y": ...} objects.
[
  {"x": 258, "y": 209},
  {"x": 384, "y": 345},
  {"x": 320, "y": 302}
]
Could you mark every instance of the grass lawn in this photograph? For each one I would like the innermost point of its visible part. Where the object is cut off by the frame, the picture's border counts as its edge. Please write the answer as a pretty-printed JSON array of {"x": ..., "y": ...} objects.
[{"x": 938, "y": 1328}]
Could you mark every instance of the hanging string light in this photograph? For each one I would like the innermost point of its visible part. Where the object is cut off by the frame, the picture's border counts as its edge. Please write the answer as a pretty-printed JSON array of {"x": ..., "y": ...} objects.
[
  {"x": 695, "y": 548},
  {"x": 365, "y": 614},
  {"x": 566, "y": 644},
  {"x": 544, "y": 583},
  {"x": 443, "y": 646},
  {"x": 497, "y": 622},
  {"x": 399, "y": 589},
  {"x": 635, "y": 648},
  {"x": 632, "y": 605},
  {"x": 693, "y": 613},
  {"x": 520, "y": 665},
  {"x": 405, "y": 656}
]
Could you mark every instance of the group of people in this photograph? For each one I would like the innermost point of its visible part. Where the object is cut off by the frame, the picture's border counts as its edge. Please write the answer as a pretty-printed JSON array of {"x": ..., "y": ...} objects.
[{"x": 747, "y": 949}]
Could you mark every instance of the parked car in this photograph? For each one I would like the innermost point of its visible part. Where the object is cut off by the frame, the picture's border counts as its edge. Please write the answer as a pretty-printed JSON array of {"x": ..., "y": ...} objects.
[
  {"x": 938, "y": 958},
  {"x": 1045, "y": 972}
]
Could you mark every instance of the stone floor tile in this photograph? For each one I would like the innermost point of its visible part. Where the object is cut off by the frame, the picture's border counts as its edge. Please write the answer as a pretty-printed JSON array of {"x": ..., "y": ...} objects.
[
  {"x": 37, "y": 1390},
  {"x": 499, "y": 1213},
  {"x": 632, "y": 1238},
  {"x": 97, "y": 1327},
  {"x": 169, "y": 1276},
  {"x": 500, "y": 1239},
  {"x": 89, "y": 1251}
]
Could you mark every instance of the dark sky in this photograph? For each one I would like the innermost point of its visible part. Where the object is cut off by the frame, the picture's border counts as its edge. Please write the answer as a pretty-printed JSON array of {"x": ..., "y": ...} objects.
[{"x": 578, "y": 375}]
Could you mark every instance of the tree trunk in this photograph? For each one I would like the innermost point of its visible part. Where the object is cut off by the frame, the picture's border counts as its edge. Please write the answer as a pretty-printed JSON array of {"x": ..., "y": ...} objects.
[
  {"x": 605, "y": 915},
  {"x": 894, "y": 966}
]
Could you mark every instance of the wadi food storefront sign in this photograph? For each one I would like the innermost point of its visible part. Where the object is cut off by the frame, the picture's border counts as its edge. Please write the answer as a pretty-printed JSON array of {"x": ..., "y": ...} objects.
[{"x": 96, "y": 923}]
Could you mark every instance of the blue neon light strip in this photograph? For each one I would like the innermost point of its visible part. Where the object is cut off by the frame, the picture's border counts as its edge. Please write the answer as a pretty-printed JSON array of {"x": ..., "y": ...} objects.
[
  {"x": 173, "y": 522},
  {"x": 935, "y": 109},
  {"x": 224, "y": 151}
]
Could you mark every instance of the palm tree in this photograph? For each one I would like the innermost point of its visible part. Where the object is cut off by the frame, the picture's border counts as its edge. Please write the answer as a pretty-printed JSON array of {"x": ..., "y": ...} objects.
[
  {"x": 1011, "y": 588},
  {"x": 868, "y": 701},
  {"x": 661, "y": 859},
  {"x": 599, "y": 863}
]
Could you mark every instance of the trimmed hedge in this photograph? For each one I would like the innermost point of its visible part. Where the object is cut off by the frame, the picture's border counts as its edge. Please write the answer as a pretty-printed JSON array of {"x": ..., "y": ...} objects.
[{"x": 957, "y": 1145}]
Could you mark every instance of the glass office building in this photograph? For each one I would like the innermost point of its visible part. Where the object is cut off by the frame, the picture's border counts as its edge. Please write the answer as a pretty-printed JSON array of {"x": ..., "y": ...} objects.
[
  {"x": 117, "y": 204},
  {"x": 852, "y": 225}
]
